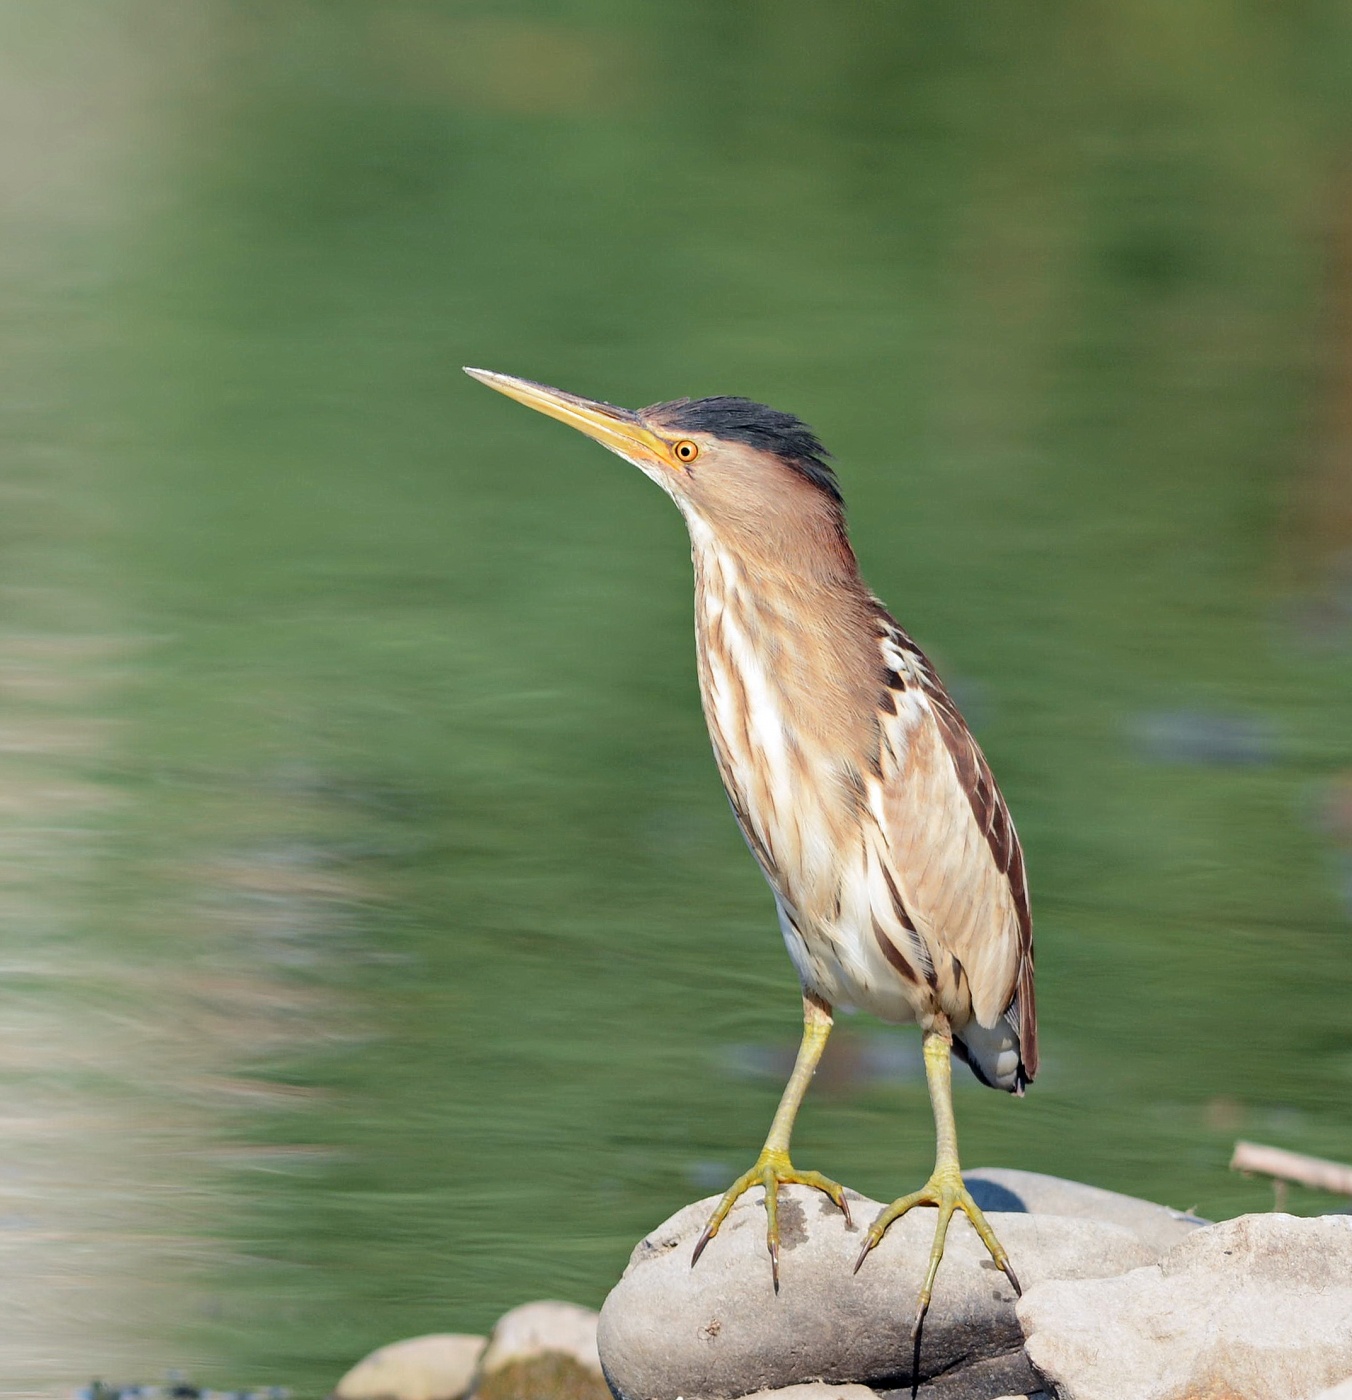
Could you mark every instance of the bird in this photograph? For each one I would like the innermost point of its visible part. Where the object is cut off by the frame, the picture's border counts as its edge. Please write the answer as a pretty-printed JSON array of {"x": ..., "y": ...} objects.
[{"x": 897, "y": 874}]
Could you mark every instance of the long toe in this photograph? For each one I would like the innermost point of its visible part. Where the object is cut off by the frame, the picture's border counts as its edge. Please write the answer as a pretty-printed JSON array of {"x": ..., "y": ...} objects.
[
  {"x": 962, "y": 1199},
  {"x": 946, "y": 1191},
  {"x": 772, "y": 1170},
  {"x": 891, "y": 1214}
]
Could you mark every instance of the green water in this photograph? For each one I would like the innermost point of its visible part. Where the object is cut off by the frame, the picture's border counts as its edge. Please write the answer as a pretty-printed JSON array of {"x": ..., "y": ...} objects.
[{"x": 379, "y": 949}]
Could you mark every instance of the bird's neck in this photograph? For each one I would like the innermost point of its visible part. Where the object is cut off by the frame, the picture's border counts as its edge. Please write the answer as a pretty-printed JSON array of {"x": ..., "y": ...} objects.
[
  {"x": 788, "y": 625},
  {"x": 800, "y": 543}
]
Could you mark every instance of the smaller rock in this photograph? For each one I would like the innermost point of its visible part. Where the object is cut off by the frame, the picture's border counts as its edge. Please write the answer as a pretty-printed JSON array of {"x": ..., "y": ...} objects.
[
  {"x": 552, "y": 1376},
  {"x": 540, "y": 1329},
  {"x": 439, "y": 1366},
  {"x": 1009, "y": 1373},
  {"x": 1004, "y": 1188},
  {"x": 542, "y": 1351}
]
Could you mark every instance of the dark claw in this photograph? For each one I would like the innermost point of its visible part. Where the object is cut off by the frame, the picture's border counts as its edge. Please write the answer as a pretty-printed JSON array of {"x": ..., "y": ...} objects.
[
  {"x": 1009, "y": 1274},
  {"x": 863, "y": 1254},
  {"x": 702, "y": 1241},
  {"x": 774, "y": 1263},
  {"x": 915, "y": 1365},
  {"x": 920, "y": 1317},
  {"x": 845, "y": 1208}
]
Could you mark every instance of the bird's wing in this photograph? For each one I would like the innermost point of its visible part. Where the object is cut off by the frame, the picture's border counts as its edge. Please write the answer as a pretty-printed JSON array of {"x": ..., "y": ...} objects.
[{"x": 954, "y": 854}]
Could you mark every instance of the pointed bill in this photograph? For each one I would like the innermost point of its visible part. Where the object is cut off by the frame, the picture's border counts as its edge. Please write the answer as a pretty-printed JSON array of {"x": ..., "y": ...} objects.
[{"x": 619, "y": 429}]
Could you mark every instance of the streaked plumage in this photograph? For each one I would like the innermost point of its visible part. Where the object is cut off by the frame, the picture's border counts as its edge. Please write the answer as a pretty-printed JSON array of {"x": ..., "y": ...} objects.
[
  {"x": 895, "y": 867},
  {"x": 868, "y": 805}
]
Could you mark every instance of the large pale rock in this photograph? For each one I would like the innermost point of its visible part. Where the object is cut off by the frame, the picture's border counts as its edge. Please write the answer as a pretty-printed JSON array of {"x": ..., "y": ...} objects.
[
  {"x": 1003, "y": 1188},
  {"x": 1250, "y": 1309},
  {"x": 720, "y": 1330},
  {"x": 1337, "y": 1392},
  {"x": 436, "y": 1367}
]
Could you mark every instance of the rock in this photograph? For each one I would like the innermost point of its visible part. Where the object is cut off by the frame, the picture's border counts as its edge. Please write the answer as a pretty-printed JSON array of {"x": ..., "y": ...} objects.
[
  {"x": 552, "y": 1376},
  {"x": 542, "y": 1351},
  {"x": 1338, "y": 1392},
  {"x": 1001, "y": 1188},
  {"x": 817, "y": 1390},
  {"x": 719, "y": 1330},
  {"x": 1249, "y": 1309},
  {"x": 538, "y": 1329},
  {"x": 975, "y": 1381},
  {"x": 436, "y": 1367}
]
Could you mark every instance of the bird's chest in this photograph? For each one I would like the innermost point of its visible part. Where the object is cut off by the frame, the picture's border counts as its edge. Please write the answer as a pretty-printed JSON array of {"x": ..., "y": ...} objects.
[{"x": 792, "y": 776}]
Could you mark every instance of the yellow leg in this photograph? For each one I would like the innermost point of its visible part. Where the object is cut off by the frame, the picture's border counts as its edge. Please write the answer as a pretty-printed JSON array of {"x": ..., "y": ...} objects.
[
  {"x": 945, "y": 1188},
  {"x": 773, "y": 1166}
]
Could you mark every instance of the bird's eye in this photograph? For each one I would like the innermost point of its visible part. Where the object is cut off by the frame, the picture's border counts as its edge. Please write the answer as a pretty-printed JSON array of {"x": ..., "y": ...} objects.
[{"x": 686, "y": 451}]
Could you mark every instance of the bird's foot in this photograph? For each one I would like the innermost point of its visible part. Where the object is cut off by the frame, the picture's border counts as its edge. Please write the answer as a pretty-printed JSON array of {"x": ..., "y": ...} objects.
[
  {"x": 946, "y": 1190},
  {"x": 772, "y": 1170}
]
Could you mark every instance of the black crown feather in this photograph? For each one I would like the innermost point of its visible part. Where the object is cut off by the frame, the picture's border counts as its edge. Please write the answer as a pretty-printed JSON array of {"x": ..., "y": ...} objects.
[{"x": 744, "y": 420}]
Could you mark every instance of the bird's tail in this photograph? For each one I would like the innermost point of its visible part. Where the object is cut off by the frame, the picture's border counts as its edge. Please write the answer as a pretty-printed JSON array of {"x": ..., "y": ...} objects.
[{"x": 993, "y": 1053}]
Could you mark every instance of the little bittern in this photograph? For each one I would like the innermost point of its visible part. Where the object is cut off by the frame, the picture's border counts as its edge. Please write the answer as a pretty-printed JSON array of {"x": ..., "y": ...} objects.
[{"x": 865, "y": 800}]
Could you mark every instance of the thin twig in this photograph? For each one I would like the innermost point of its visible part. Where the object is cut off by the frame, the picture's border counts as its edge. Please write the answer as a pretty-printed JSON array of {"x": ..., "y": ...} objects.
[{"x": 1275, "y": 1162}]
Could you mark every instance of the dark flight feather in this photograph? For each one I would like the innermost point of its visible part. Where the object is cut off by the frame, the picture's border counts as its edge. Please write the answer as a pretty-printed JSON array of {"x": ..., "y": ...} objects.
[{"x": 996, "y": 825}]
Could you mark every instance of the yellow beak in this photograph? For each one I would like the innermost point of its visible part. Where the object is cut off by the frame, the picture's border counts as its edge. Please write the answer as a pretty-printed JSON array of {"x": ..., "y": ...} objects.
[{"x": 619, "y": 429}]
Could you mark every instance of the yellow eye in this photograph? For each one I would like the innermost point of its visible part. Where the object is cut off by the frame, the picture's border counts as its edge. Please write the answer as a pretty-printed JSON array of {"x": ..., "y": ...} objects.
[{"x": 686, "y": 451}]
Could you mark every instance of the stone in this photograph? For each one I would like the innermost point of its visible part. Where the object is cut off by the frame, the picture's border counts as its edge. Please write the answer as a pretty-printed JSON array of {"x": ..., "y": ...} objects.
[
  {"x": 1249, "y": 1309},
  {"x": 540, "y": 1329},
  {"x": 542, "y": 1351},
  {"x": 1337, "y": 1392},
  {"x": 550, "y": 1376},
  {"x": 439, "y": 1366},
  {"x": 720, "y": 1330},
  {"x": 817, "y": 1390},
  {"x": 975, "y": 1381},
  {"x": 1003, "y": 1188}
]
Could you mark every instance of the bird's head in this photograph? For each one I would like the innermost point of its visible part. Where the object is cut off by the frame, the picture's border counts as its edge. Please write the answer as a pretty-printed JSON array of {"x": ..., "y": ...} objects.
[{"x": 747, "y": 472}]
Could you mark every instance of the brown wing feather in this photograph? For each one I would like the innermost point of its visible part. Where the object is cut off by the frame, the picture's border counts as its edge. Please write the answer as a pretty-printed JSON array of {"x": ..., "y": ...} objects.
[{"x": 970, "y": 926}]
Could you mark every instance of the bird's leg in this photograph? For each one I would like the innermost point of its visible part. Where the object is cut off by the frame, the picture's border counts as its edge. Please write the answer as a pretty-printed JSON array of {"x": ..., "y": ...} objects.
[
  {"x": 773, "y": 1166},
  {"x": 945, "y": 1188}
]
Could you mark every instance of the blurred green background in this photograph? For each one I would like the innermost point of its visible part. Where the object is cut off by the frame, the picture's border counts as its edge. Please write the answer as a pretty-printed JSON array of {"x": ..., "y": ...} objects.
[{"x": 379, "y": 951}]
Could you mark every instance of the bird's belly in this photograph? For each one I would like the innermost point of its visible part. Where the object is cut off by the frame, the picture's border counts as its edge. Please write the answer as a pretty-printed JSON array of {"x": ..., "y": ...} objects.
[{"x": 842, "y": 962}]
